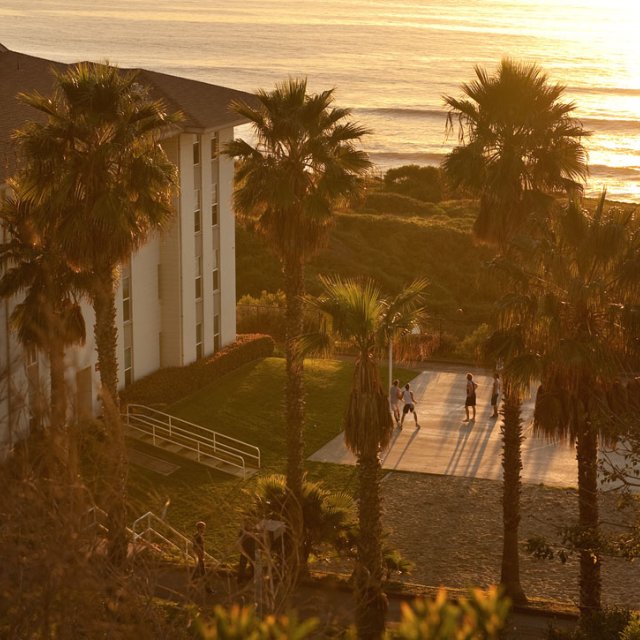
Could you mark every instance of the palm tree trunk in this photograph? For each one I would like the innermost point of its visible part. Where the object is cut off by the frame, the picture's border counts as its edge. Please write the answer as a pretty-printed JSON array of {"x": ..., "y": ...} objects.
[
  {"x": 58, "y": 402},
  {"x": 511, "y": 487},
  {"x": 106, "y": 337},
  {"x": 590, "y": 562},
  {"x": 294, "y": 291},
  {"x": 371, "y": 602}
]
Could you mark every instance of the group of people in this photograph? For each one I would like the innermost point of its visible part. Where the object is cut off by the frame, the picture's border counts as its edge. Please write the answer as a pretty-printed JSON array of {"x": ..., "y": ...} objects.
[
  {"x": 404, "y": 396},
  {"x": 398, "y": 396}
]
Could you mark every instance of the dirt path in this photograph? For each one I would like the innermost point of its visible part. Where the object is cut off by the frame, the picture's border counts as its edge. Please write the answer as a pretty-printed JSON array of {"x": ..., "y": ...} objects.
[{"x": 451, "y": 528}]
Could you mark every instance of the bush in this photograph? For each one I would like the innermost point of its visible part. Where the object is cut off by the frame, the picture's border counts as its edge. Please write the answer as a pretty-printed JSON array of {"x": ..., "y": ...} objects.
[
  {"x": 420, "y": 183},
  {"x": 632, "y": 630},
  {"x": 384, "y": 202},
  {"x": 171, "y": 384},
  {"x": 608, "y": 624},
  {"x": 472, "y": 346}
]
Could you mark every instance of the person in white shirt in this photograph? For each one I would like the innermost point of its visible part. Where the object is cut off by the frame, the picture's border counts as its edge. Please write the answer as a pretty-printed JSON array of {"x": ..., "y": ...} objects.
[{"x": 409, "y": 405}]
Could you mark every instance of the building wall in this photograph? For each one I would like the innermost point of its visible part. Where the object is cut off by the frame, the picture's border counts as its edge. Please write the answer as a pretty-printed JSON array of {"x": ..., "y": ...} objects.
[
  {"x": 163, "y": 305},
  {"x": 227, "y": 246}
]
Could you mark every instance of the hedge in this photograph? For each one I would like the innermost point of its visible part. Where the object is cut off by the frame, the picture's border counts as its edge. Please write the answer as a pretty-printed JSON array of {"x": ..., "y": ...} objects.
[
  {"x": 398, "y": 204},
  {"x": 171, "y": 384}
]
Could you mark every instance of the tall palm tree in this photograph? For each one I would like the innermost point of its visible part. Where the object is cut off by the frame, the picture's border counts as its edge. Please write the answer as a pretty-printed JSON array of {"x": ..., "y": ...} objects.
[
  {"x": 358, "y": 313},
  {"x": 303, "y": 159},
  {"x": 591, "y": 279},
  {"x": 49, "y": 317},
  {"x": 97, "y": 163},
  {"x": 519, "y": 145}
]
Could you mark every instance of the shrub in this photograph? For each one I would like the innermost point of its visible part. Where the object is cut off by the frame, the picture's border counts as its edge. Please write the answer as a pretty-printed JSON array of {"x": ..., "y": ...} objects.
[
  {"x": 329, "y": 516},
  {"x": 632, "y": 630},
  {"x": 608, "y": 624},
  {"x": 384, "y": 202},
  {"x": 170, "y": 384},
  {"x": 420, "y": 183},
  {"x": 473, "y": 346}
]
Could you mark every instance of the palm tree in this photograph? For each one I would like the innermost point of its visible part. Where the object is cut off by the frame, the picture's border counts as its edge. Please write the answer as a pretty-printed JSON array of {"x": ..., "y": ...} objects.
[
  {"x": 590, "y": 281},
  {"x": 519, "y": 146},
  {"x": 303, "y": 160},
  {"x": 49, "y": 317},
  {"x": 358, "y": 313},
  {"x": 97, "y": 163},
  {"x": 97, "y": 172}
]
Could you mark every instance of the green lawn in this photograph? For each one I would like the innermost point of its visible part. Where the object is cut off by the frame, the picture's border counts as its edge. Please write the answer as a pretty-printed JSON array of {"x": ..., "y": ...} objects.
[{"x": 248, "y": 404}]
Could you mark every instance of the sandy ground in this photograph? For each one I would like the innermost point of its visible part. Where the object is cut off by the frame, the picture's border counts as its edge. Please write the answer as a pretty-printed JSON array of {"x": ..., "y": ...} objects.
[{"x": 451, "y": 528}]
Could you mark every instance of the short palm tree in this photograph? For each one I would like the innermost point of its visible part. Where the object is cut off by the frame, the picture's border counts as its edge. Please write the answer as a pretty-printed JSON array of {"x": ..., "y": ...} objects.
[
  {"x": 357, "y": 312},
  {"x": 304, "y": 158},
  {"x": 49, "y": 317},
  {"x": 519, "y": 145},
  {"x": 591, "y": 278}
]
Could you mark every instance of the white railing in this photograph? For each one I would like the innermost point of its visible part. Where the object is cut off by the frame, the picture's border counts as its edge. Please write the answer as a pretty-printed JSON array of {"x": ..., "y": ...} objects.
[
  {"x": 206, "y": 443},
  {"x": 151, "y": 528}
]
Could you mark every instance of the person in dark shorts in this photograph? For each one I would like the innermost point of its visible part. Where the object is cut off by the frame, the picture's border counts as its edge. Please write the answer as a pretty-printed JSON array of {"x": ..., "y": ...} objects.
[
  {"x": 409, "y": 405},
  {"x": 470, "y": 401},
  {"x": 495, "y": 394}
]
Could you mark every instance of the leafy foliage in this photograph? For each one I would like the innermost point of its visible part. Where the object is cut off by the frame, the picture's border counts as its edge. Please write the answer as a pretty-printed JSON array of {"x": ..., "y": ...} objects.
[
  {"x": 479, "y": 616},
  {"x": 420, "y": 183}
]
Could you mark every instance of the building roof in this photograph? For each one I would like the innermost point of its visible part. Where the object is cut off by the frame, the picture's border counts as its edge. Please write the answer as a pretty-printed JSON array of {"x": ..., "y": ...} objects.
[{"x": 204, "y": 106}]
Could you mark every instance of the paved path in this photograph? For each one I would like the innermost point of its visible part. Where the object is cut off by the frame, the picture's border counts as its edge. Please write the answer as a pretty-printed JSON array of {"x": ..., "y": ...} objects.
[{"x": 445, "y": 445}]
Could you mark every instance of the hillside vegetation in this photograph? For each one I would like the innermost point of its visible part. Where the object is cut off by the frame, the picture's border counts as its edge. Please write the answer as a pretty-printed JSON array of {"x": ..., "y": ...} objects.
[{"x": 394, "y": 248}]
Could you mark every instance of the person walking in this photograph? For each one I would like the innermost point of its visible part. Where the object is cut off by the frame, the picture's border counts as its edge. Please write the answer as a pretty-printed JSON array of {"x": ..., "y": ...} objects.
[
  {"x": 395, "y": 395},
  {"x": 496, "y": 390},
  {"x": 409, "y": 405},
  {"x": 200, "y": 572},
  {"x": 470, "y": 401}
]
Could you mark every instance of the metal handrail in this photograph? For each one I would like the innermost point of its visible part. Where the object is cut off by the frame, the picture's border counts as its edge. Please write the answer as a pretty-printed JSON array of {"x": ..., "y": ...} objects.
[
  {"x": 171, "y": 439},
  {"x": 149, "y": 516},
  {"x": 138, "y": 417},
  {"x": 217, "y": 438}
]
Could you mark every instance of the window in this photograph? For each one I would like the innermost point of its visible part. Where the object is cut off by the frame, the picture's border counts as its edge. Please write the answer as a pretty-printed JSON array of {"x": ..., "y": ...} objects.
[
  {"x": 215, "y": 146},
  {"x": 31, "y": 356},
  {"x": 216, "y": 271},
  {"x": 126, "y": 297},
  {"x": 196, "y": 152},
  {"x": 128, "y": 353},
  {"x": 128, "y": 366},
  {"x": 214, "y": 204},
  {"x": 198, "y": 278},
  {"x": 199, "y": 350},
  {"x": 216, "y": 332},
  {"x": 197, "y": 208}
]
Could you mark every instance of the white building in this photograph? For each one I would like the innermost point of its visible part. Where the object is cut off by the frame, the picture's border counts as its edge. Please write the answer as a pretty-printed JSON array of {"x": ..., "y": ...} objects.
[{"x": 177, "y": 294}]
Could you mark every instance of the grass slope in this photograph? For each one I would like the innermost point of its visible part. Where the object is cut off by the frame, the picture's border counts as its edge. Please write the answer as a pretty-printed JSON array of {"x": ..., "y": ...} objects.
[
  {"x": 248, "y": 404},
  {"x": 393, "y": 250}
]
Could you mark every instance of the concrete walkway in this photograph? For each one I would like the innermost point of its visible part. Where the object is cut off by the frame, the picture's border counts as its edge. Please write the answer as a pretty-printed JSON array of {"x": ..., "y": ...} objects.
[{"x": 446, "y": 445}]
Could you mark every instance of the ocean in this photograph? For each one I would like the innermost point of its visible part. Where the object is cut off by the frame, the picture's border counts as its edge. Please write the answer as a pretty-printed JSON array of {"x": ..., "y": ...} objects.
[{"x": 391, "y": 61}]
